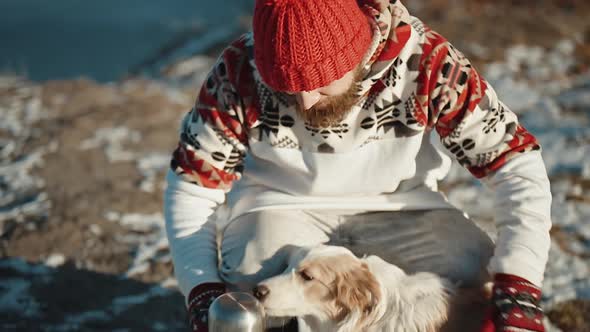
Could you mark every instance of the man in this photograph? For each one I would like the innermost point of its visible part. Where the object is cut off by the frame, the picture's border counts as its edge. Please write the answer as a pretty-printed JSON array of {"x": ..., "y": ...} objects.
[{"x": 325, "y": 115}]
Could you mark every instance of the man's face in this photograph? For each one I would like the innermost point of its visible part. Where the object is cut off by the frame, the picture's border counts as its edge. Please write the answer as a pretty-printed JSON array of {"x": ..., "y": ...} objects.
[{"x": 329, "y": 104}]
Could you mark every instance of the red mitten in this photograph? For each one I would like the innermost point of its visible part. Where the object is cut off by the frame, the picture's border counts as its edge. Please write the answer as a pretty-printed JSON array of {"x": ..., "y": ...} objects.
[
  {"x": 488, "y": 323},
  {"x": 200, "y": 298},
  {"x": 515, "y": 306}
]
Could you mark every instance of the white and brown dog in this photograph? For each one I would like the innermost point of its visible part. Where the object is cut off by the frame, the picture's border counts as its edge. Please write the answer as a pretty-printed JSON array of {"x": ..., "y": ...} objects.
[{"x": 332, "y": 290}]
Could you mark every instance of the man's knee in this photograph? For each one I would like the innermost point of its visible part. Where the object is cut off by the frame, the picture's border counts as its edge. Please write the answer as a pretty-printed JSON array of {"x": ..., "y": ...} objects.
[
  {"x": 469, "y": 269},
  {"x": 242, "y": 271},
  {"x": 256, "y": 246},
  {"x": 463, "y": 250},
  {"x": 471, "y": 252}
]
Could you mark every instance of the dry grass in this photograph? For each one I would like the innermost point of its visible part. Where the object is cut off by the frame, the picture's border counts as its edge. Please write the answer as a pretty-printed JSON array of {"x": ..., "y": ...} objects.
[
  {"x": 497, "y": 24},
  {"x": 571, "y": 316}
]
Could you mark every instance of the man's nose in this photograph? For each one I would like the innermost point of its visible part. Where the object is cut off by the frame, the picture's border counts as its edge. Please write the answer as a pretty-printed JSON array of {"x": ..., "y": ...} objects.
[{"x": 306, "y": 99}]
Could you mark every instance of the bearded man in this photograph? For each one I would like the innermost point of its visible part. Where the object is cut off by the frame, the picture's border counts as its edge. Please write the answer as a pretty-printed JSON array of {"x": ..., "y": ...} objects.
[{"x": 333, "y": 116}]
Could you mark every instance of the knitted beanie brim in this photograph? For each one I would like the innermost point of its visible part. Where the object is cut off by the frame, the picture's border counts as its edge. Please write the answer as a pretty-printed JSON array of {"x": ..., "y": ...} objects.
[{"x": 294, "y": 51}]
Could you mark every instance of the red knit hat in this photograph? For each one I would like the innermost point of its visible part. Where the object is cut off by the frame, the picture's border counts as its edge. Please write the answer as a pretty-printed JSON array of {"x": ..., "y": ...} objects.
[{"x": 301, "y": 45}]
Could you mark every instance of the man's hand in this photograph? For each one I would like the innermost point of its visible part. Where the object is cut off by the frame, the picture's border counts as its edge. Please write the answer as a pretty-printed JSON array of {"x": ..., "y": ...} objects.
[
  {"x": 200, "y": 298},
  {"x": 515, "y": 306}
]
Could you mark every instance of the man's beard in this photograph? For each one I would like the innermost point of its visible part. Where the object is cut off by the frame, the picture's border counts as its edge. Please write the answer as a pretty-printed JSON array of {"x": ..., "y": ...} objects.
[{"x": 332, "y": 110}]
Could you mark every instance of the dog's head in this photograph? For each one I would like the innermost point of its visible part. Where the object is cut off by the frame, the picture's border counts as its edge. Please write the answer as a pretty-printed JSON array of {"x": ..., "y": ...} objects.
[{"x": 325, "y": 282}]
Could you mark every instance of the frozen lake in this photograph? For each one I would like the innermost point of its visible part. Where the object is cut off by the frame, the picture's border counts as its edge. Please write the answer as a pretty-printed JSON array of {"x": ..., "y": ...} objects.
[{"x": 99, "y": 39}]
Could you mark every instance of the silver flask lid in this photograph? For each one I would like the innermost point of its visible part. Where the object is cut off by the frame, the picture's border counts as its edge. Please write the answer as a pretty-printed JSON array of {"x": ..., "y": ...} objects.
[{"x": 236, "y": 312}]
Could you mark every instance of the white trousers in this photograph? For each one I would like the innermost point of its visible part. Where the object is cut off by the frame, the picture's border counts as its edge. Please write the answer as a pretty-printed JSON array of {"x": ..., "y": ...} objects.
[{"x": 255, "y": 246}]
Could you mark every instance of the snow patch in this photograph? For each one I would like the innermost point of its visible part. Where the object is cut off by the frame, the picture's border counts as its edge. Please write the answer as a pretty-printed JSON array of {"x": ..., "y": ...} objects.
[
  {"x": 123, "y": 303},
  {"x": 149, "y": 166},
  {"x": 55, "y": 260},
  {"x": 14, "y": 291},
  {"x": 22, "y": 200},
  {"x": 15, "y": 297},
  {"x": 113, "y": 141},
  {"x": 148, "y": 237}
]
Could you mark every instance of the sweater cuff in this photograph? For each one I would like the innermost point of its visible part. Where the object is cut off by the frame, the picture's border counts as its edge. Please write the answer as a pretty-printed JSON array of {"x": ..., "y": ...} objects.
[
  {"x": 517, "y": 302},
  {"x": 200, "y": 299},
  {"x": 201, "y": 291}
]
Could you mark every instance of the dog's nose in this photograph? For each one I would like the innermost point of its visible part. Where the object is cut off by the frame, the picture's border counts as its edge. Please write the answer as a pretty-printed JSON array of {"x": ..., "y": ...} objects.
[{"x": 260, "y": 292}]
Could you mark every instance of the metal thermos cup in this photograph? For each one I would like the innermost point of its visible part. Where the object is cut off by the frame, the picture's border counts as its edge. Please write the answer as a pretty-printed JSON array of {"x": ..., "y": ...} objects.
[{"x": 236, "y": 312}]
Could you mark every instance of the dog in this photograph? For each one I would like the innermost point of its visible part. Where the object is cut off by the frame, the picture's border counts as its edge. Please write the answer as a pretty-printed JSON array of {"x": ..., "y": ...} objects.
[{"x": 333, "y": 290}]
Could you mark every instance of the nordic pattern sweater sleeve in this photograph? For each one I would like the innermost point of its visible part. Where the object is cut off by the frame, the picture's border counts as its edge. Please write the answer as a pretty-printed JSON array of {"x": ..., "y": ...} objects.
[
  {"x": 207, "y": 161},
  {"x": 485, "y": 136}
]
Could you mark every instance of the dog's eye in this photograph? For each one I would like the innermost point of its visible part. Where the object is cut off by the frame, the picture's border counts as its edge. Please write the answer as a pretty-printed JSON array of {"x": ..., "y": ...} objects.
[{"x": 305, "y": 275}]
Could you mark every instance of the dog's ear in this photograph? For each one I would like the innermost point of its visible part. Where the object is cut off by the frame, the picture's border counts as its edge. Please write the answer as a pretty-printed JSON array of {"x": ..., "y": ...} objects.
[{"x": 357, "y": 292}]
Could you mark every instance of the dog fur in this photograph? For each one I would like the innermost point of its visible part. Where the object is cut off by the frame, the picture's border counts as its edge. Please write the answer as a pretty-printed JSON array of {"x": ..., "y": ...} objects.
[{"x": 332, "y": 290}]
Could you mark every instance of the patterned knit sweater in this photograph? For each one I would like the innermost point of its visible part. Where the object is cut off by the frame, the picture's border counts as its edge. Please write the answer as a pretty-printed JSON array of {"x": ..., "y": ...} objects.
[{"x": 244, "y": 145}]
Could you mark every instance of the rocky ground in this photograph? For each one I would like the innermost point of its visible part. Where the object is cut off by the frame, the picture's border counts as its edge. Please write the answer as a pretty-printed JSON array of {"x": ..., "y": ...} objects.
[
  {"x": 92, "y": 235},
  {"x": 81, "y": 171}
]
